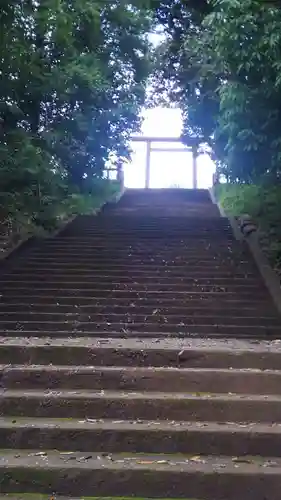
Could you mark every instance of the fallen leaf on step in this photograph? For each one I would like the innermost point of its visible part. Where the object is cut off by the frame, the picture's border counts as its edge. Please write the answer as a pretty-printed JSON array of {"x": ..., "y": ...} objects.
[
  {"x": 145, "y": 462},
  {"x": 241, "y": 460},
  {"x": 197, "y": 459}
]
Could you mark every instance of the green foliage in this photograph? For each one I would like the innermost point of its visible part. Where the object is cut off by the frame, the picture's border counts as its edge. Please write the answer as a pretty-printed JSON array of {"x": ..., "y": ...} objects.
[
  {"x": 263, "y": 203},
  {"x": 247, "y": 41},
  {"x": 73, "y": 77},
  {"x": 225, "y": 59}
]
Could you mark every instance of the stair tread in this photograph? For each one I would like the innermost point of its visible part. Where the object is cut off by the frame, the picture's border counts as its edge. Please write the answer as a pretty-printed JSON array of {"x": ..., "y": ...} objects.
[
  {"x": 53, "y": 280},
  {"x": 206, "y": 309},
  {"x": 184, "y": 397},
  {"x": 52, "y": 459},
  {"x": 135, "y": 369},
  {"x": 123, "y": 279},
  {"x": 37, "y": 496},
  {"x": 150, "y": 329},
  {"x": 97, "y": 316},
  {"x": 41, "y": 423},
  {"x": 187, "y": 294},
  {"x": 124, "y": 274},
  {"x": 156, "y": 301},
  {"x": 177, "y": 345}
]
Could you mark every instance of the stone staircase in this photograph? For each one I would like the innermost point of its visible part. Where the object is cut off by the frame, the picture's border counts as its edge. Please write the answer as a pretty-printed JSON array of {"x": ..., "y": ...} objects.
[{"x": 139, "y": 357}]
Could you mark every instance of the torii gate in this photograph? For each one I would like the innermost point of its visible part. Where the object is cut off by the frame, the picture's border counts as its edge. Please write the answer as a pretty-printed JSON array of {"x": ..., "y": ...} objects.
[{"x": 191, "y": 146}]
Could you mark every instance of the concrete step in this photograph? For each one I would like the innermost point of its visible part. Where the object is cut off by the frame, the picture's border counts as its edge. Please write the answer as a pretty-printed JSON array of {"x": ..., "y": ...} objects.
[
  {"x": 136, "y": 267},
  {"x": 142, "y": 252},
  {"x": 212, "y": 293},
  {"x": 120, "y": 219},
  {"x": 105, "y": 255},
  {"x": 125, "y": 333},
  {"x": 147, "y": 260},
  {"x": 180, "y": 301},
  {"x": 137, "y": 352},
  {"x": 144, "y": 261},
  {"x": 117, "y": 224},
  {"x": 141, "y": 436},
  {"x": 199, "y": 212},
  {"x": 157, "y": 379},
  {"x": 133, "y": 273},
  {"x": 143, "y": 234},
  {"x": 131, "y": 405},
  {"x": 183, "y": 240},
  {"x": 165, "y": 206},
  {"x": 157, "y": 247},
  {"x": 154, "y": 475},
  {"x": 113, "y": 218},
  {"x": 141, "y": 330},
  {"x": 153, "y": 194},
  {"x": 254, "y": 288},
  {"x": 138, "y": 249},
  {"x": 135, "y": 317},
  {"x": 154, "y": 231},
  {"x": 185, "y": 243},
  {"x": 161, "y": 279},
  {"x": 145, "y": 308},
  {"x": 103, "y": 221},
  {"x": 107, "y": 217},
  {"x": 38, "y": 496},
  {"x": 169, "y": 207}
]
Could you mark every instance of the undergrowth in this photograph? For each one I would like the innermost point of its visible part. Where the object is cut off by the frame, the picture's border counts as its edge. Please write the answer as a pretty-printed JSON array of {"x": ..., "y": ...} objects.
[
  {"x": 263, "y": 204},
  {"x": 23, "y": 215}
]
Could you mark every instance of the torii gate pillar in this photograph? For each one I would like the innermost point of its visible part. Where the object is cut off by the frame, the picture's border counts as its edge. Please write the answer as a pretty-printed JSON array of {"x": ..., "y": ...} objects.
[
  {"x": 147, "y": 164},
  {"x": 194, "y": 166}
]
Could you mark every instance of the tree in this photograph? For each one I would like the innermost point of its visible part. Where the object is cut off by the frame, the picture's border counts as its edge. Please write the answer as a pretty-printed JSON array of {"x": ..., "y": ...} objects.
[
  {"x": 179, "y": 61},
  {"x": 226, "y": 78},
  {"x": 246, "y": 41},
  {"x": 73, "y": 75}
]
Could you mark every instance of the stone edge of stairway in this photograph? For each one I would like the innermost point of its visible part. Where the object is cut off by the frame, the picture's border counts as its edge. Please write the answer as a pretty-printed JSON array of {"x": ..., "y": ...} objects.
[{"x": 267, "y": 273}]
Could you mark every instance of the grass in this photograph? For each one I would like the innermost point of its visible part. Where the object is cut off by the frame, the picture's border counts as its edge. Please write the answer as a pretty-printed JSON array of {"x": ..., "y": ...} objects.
[{"x": 263, "y": 204}]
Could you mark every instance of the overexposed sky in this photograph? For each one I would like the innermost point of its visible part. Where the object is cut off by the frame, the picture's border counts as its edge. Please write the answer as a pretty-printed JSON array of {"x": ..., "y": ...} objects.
[{"x": 167, "y": 169}]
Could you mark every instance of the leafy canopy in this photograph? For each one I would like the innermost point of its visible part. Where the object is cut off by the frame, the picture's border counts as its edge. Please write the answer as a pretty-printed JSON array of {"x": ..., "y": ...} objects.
[
  {"x": 221, "y": 63},
  {"x": 73, "y": 76}
]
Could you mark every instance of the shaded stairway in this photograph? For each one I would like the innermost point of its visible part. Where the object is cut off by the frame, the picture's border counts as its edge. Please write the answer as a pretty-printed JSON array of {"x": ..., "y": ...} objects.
[{"x": 114, "y": 347}]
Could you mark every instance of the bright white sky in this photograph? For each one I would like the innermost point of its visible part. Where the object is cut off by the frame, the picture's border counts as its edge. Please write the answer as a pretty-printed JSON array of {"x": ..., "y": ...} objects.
[{"x": 167, "y": 169}]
